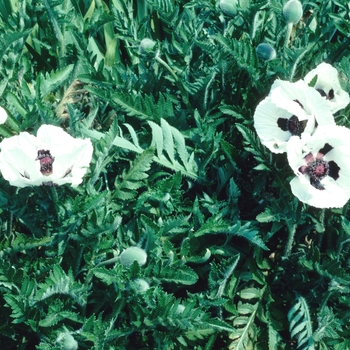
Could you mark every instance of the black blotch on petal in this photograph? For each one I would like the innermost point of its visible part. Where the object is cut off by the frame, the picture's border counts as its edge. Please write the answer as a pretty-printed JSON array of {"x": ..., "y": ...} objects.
[
  {"x": 321, "y": 92},
  {"x": 330, "y": 94},
  {"x": 297, "y": 101},
  {"x": 316, "y": 183},
  {"x": 333, "y": 170},
  {"x": 325, "y": 149},
  {"x": 282, "y": 124}
]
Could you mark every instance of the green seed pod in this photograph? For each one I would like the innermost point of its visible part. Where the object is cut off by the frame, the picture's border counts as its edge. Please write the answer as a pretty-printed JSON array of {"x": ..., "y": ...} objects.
[
  {"x": 147, "y": 47},
  {"x": 228, "y": 7},
  {"x": 67, "y": 342},
  {"x": 292, "y": 11},
  {"x": 131, "y": 254},
  {"x": 265, "y": 52},
  {"x": 140, "y": 285}
]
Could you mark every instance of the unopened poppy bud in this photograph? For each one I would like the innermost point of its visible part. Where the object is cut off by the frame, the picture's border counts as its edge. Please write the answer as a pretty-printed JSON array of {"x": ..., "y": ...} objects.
[
  {"x": 292, "y": 11},
  {"x": 228, "y": 7},
  {"x": 140, "y": 285},
  {"x": 147, "y": 47},
  {"x": 131, "y": 254},
  {"x": 265, "y": 52},
  {"x": 67, "y": 342}
]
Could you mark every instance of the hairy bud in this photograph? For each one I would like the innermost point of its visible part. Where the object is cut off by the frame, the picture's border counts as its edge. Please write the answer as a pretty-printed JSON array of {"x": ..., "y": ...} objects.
[
  {"x": 292, "y": 11},
  {"x": 131, "y": 254},
  {"x": 228, "y": 7},
  {"x": 265, "y": 52}
]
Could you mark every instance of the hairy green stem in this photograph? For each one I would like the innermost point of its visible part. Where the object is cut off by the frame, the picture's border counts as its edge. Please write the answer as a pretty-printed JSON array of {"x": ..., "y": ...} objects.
[
  {"x": 177, "y": 81},
  {"x": 291, "y": 233},
  {"x": 288, "y": 33},
  {"x": 9, "y": 224}
]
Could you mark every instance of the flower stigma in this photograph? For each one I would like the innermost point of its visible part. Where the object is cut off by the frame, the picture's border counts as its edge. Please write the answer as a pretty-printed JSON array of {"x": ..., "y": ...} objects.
[
  {"x": 45, "y": 158},
  {"x": 318, "y": 168}
]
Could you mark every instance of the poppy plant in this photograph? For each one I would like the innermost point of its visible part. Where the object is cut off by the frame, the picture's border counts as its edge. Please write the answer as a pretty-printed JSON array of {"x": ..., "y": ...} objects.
[{"x": 51, "y": 158}]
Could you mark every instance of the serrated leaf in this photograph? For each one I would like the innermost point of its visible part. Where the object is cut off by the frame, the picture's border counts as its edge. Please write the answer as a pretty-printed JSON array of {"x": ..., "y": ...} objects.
[
  {"x": 50, "y": 82},
  {"x": 178, "y": 274}
]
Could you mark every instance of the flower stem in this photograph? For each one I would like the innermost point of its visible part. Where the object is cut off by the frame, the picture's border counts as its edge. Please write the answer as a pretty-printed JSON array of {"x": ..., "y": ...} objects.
[
  {"x": 291, "y": 233},
  {"x": 54, "y": 194},
  {"x": 9, "y": 224},
  {"x": 288, "y": 33},
  {"x": 177, "y": 81}
]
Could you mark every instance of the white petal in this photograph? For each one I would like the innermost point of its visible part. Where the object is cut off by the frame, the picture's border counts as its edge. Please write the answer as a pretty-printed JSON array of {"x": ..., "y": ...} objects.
[
  {"x": 296, "y": 153},
  {"x": 331, "y": 197},
  {"x": 3, "y": 115},
  {"x": 265, "y": 123},
  {"x": 312, "y": 102}
]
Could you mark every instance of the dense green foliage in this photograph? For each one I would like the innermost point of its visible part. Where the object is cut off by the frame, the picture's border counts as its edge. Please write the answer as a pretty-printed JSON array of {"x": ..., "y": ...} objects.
[{"x": 234, "y": 261}]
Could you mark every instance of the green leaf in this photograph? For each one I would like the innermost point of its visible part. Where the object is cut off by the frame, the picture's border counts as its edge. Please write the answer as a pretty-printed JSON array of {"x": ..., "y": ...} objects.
[
  {"x": 300, "y": 325},
  {"x": 178, "y": 273},
  {"x": 133, "y": 179},
  {"x": 51, "y": 82}
]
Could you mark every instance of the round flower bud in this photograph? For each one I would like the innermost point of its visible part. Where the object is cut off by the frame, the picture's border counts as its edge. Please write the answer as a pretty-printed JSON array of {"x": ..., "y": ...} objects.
[
  {"x": 67, "y": 342},
  {"x": 265, "y": 52},
  {"x": 131, "y": 254},
  {"x": 147, "y": 47},
  {"x": 228, "y": 7},
  {"x": 292, "y": 11},
  {"x": 140, "y": 285}
]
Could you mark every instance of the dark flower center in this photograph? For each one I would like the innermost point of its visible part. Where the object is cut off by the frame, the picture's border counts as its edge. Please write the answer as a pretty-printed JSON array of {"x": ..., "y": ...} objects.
[
  {"x": 293, "y": 124},
  {"x": 45, "y": 158},
  {"x": 317, "y": 168}
]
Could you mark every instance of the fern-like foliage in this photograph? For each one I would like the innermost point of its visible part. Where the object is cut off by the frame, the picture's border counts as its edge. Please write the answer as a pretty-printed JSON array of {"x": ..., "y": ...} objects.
[
  {"x": 246, "y": 332},
  {"x": 8, "y": 39},
  {"x": 145, "y": 107},
  {"x": 220, "y": 275},
  {"x": 217, "y": 226},
  {"x": 253, "y": 145},
  {"x": 328, "y": 325},
  {"x": 300, "y": 325},
  {"x": 61, "y": 283},
  {"x": 170, "y": 146},
  {"x": 132, "y": 180}
]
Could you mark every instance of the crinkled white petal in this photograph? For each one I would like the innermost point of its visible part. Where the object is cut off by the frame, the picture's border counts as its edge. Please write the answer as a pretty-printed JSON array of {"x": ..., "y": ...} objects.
[
  {"x": 312, "y": 102},
  {"x": 336, "y": 191},
  {"x": 327, "y": 79},
  {"x": 18, "y": 155},
  {"x": 333, "y": 196},
  {"x": 265, "y": 123}
]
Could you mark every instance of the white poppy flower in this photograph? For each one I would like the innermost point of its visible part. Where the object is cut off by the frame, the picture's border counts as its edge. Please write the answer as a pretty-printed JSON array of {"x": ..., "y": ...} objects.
[
  {"x": 322, "y": 166},
  {"x": 291, "y": 109},
  {"x": 327, "y": 84},
  {"x": 51, "y": 158}
]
